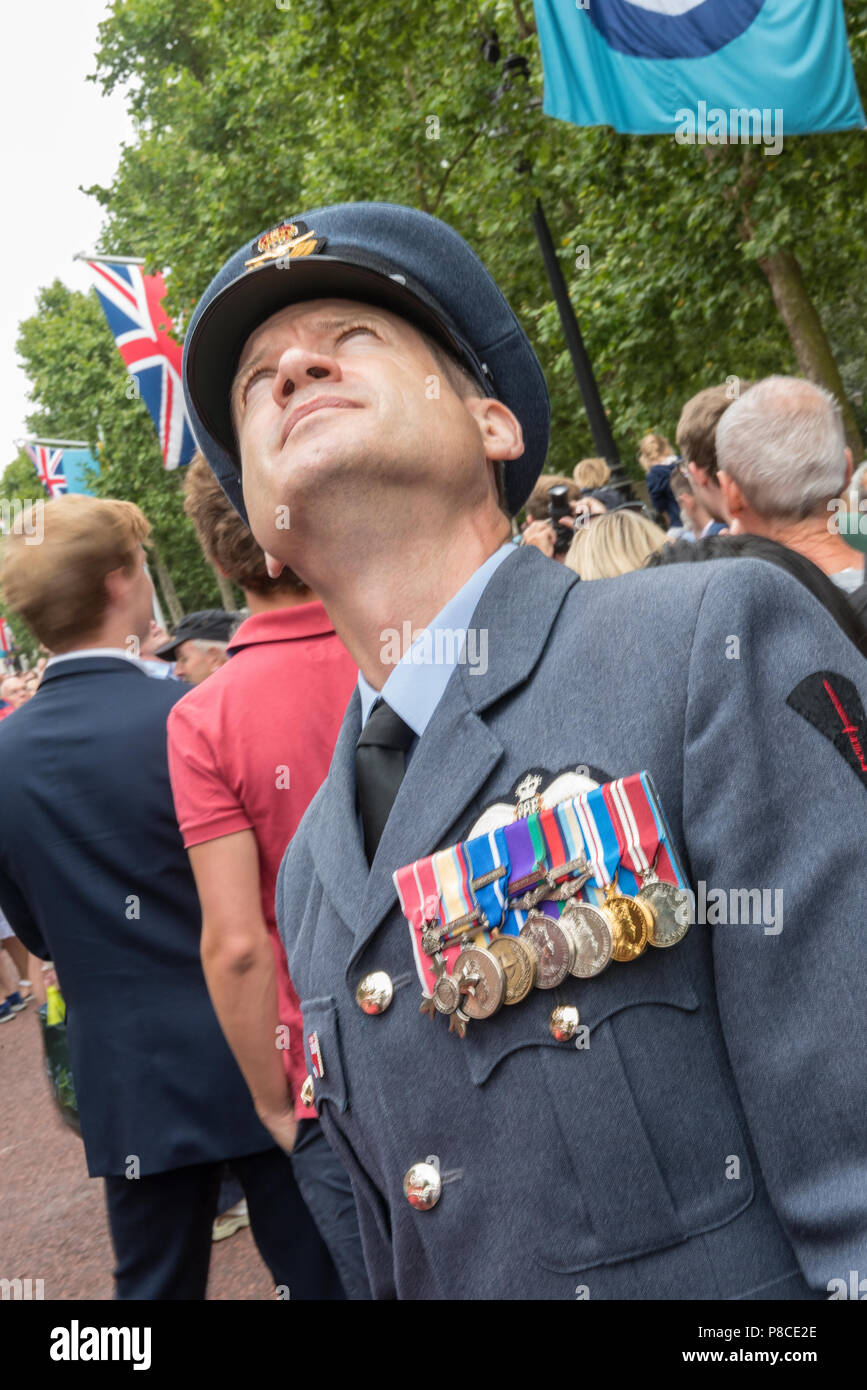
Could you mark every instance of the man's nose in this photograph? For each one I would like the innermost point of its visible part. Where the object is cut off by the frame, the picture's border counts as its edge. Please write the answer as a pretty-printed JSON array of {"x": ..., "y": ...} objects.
[{"x": 299, "y": 365}]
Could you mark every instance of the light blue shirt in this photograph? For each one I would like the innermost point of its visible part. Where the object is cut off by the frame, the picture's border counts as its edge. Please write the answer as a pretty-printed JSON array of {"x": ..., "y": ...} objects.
[{"x": 418, "y": 681}]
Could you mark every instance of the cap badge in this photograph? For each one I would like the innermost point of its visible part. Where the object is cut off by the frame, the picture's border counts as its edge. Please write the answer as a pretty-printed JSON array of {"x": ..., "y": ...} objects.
[{"x": 289, "y": 239}]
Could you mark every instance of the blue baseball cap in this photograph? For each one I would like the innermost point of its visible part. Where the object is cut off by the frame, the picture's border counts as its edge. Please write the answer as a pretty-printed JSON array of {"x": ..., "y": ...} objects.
[{"x": 376, "y": 253}]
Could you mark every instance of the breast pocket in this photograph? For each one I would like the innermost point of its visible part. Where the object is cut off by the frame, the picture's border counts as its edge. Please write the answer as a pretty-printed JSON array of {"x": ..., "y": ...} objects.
[
  {"x": 626, "y": 1141},
  {"x": 323, "y": 1052}
]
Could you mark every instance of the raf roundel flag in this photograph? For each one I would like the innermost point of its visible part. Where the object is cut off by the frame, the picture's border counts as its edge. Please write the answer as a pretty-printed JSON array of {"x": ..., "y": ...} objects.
[{"x": 642, "y": 65}]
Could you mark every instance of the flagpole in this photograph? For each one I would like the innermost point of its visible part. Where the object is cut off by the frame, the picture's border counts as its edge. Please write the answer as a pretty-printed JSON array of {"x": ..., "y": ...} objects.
[
  {"x": 600, "y": 428},
  {"x": 108, "y": 260},
  {"x": 57, "y": 443}
]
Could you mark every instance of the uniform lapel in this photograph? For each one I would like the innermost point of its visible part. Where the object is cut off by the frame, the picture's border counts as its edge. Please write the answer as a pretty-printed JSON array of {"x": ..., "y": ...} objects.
[
  {"x": 334, "y": 833},
  {"x": 458, "y": 752}
]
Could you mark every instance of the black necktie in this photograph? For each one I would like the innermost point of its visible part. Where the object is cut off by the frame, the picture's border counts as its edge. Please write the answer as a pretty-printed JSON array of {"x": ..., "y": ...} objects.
[{"x": 380, "y": 764}]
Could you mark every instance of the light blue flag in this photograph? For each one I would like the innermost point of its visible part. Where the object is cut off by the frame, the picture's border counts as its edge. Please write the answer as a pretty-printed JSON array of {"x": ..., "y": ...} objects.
[
  {"x": 718, "y": 69},
  {"x": 75, "y": 461}
]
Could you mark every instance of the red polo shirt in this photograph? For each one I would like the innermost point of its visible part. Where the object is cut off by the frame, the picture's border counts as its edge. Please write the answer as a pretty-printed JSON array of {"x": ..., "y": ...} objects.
[{"x": 250, "y": 746}]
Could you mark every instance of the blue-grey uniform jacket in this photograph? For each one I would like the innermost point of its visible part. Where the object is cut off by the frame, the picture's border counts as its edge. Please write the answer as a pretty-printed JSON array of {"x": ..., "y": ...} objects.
[{"x": 711, "y": 1141}]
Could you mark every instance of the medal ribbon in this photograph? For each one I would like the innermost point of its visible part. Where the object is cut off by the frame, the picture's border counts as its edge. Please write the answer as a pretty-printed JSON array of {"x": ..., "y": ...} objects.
[
  {"x": 419, "y": 897},
  {"x": 638, "y": 842},
  {"x": 523, "y": 857},
  {"x": 667, "y": 867},
  {"x": 486, "y": 854},
  {"x": 453, "y": 878},
  {"x": 600, "y": 836}
]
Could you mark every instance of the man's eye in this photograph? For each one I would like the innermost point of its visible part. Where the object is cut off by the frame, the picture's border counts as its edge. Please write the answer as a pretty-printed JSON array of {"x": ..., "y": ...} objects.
[
  {"x": 355, "y": 328},
  {"x": 250, "y": 381}
]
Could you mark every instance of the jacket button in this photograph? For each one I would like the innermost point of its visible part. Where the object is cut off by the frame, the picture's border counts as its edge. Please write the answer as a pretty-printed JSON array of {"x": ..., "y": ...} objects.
[
  {"x": 374, "y": 993},
  {"x": 422, "y": 1186},
  {"x": 563, "y": 1023}
]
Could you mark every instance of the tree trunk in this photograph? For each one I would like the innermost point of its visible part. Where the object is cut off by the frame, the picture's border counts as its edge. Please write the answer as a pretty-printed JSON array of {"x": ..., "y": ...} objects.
[
  {"x": 225, "y": 588},
  {"x": 167, "y": 587},
  {"x": 808, "y": 337},
  {"x": 525, "y": 26}
]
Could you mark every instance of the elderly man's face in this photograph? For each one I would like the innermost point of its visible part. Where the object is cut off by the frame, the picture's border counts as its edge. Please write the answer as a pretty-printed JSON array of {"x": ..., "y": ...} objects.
[
  {"x": 15, "y": 692},
  {"x": 335, "y": 403},
  {"x": 195, "y": 661}
]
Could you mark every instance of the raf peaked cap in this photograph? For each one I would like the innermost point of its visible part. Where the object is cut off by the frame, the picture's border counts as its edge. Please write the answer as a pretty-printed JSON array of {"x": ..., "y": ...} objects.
[{"x": 376, "y": 253}]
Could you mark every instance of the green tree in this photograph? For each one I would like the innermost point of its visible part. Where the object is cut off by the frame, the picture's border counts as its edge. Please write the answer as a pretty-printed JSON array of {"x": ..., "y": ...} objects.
[{"x": 246, "y": 114}]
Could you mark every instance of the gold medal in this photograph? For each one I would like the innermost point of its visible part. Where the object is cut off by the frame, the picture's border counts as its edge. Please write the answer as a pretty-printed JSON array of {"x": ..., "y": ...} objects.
[
  {"x": 630, "y": 922},
  {"x": 519, "y": 962}
]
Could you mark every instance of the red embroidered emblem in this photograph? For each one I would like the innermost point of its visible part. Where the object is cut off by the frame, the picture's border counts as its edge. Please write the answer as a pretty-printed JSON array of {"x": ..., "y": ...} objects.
[{"x": 849, "y": 729}]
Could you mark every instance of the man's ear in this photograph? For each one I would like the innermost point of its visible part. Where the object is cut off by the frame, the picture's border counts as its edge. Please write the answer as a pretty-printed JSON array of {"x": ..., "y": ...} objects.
[
  {"x": 500, "y": 429},
  {"x": 117, "y": 584},
  {"x": 733, "y": 499},
  {"x": 699, "y": 475},
  {"x": 848, "y": 478},
  {"x": 274, "y": 566}
]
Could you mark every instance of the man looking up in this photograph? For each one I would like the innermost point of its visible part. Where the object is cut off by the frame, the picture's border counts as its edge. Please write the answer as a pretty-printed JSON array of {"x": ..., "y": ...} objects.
[{"x": 357, "y": 371}]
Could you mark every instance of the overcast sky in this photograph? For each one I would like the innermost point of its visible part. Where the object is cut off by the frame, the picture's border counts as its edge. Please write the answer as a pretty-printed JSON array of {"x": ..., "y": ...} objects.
[{"x": 57, "y": 132}]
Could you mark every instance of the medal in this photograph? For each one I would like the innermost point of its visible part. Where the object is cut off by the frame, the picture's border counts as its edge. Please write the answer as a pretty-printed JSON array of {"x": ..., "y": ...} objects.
[
  {"x": 630, "y": 922},
  {"x": 669, "y": 908},
  {"x": 418, "y": 894},
  {"x": 640, "y": 833},
  {"x": 446, "y": 994},
  {"x": 520, "y": 964},
  {"x": 481, "y": 981},
  {"x": 592, "y": 935},
  {"x": 553, "y": 946}
]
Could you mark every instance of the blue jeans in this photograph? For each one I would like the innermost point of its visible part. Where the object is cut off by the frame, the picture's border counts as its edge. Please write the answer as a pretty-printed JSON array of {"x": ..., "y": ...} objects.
[{"x": 324, "y": 1184}]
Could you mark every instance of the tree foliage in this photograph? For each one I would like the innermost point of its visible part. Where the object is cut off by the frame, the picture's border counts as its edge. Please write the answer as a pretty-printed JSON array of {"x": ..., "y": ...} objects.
[{"x": 246, "y": 114}]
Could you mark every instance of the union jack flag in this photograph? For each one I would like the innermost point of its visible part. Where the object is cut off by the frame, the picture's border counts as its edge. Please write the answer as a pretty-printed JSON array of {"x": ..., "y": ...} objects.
[
  {"x": 49, "y": 467},
  {"x": 132, "y": 303},
  {"x": 6, "y": 640}
]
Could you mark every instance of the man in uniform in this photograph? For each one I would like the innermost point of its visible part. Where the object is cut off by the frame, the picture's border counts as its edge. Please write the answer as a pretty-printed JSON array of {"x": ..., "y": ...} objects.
[{"x": 367, "y": 397}]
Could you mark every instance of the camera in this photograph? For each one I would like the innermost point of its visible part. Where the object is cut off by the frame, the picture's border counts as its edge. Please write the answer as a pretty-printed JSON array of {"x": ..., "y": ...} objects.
[{"x": 558, "y": 506}]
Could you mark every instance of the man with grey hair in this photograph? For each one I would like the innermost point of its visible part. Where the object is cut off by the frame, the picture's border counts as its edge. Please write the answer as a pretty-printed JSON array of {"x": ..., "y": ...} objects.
[
  {"x": 199, "y": 644},
  {"x": 782, "y": 461}
]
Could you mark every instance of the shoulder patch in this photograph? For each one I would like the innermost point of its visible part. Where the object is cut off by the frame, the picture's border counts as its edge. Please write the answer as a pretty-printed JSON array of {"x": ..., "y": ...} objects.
[{"x": 831, "y": 703}]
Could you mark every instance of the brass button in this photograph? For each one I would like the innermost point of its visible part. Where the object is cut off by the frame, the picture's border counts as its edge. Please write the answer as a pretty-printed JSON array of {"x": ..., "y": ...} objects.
[
  {"x": 563, "y": 1023},
  {"x": 307, "y": 1090},
  {"x": 422, "y": 1186},
  {"x": 374, "y": 993}
]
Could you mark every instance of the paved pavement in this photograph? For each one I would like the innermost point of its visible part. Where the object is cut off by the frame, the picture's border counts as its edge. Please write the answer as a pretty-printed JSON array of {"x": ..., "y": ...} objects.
[{"x": 52, "y": 1215}]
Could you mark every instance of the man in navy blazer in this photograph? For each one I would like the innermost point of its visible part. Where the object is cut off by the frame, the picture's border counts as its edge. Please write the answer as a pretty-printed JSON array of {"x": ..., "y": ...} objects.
[{"x": 94, "y": 875}]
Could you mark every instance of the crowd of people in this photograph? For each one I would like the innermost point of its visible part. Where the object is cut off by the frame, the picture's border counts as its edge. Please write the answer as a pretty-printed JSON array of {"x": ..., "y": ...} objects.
[
  {"x": 769, "y": 462},
  {"x": 144, "y": 821}
]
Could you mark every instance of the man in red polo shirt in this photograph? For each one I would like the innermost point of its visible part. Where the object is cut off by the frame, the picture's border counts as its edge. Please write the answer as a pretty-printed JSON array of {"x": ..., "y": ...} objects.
[{"x": 248, "y": 749}]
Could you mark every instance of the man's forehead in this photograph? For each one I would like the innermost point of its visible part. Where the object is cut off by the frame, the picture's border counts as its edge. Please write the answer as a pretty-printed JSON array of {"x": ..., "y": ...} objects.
[{"x": 319, "y": 314}]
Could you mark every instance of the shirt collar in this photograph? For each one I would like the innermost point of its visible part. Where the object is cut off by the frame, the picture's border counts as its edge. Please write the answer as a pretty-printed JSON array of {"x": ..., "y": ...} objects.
[
  {"x": 282, "y": 625},
  {"x": 418, "y": 681},
  {"x": 120, "y": 652}
]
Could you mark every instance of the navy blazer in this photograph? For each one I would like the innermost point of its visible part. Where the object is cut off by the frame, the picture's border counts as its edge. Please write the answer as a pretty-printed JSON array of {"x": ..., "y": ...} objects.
[
  {"x": 94, "y": 875},
  {"x": 710, "y": 1141}
]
